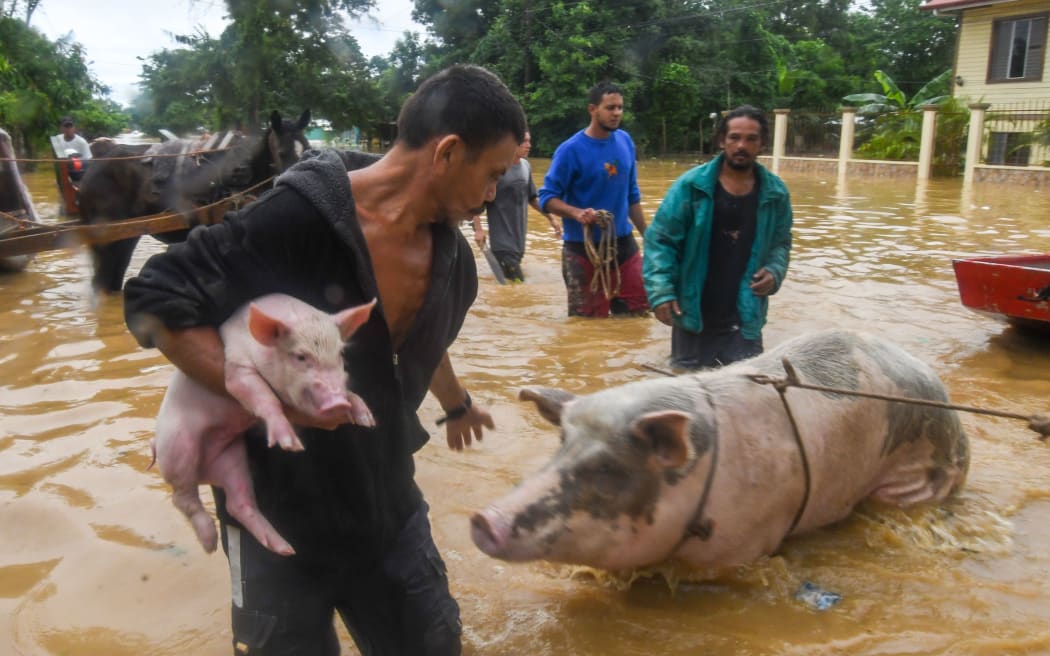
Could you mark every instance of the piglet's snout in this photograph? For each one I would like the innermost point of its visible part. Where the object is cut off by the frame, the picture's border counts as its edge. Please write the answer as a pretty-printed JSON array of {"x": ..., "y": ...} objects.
[
  {"x": 329, "y": 398},
  {"x": 490, "y": 531},
  {"x": 333, "y": 406}
]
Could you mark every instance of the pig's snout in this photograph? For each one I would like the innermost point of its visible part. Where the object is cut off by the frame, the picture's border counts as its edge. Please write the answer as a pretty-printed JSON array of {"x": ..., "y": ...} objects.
[
  {"x": 490, "y": 531},
  {"x": 333, "y": 406},
  {"x": 337, "y": 402},
  {"x": 327, "y": 397}
]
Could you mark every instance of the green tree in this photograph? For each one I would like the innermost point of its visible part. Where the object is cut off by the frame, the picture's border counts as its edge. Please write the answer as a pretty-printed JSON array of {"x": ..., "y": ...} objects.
[
  {"x": 811, "y": 75},
  {"x": 896, "y": 121},
  {"x": 41, "y": 80},
  {"x": 911, "y": 45},
  {"x": 675, "y": 101},
  {"x": 275, "y": 54},
  {"x": 22, "y": 10},
  {"x": 458, "y": 26},
  {"x": 892, "y": 99},
  {"x": 576, "y": 45}
]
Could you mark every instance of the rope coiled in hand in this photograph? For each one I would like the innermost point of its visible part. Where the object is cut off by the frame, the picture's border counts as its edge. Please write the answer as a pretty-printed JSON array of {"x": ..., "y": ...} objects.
[{"x": 603, "y": 255}]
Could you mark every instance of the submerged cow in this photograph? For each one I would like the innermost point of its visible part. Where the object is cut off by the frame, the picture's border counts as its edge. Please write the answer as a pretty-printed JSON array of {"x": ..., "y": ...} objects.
[{"x": 707, "y": 469}]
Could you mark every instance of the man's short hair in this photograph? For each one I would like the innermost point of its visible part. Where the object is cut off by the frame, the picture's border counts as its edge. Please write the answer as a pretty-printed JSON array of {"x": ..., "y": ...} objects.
[
  {"x": 600, "y": 90},
  {"x": 66, "y": 120},
  {"x": 745, "y": 111},
  {"x": 464, "y": 100}
]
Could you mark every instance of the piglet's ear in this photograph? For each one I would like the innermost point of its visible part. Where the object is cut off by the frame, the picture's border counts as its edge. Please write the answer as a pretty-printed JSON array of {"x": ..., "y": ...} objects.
[
  {"x": 550, "y": 402},
  {"x": 265, "y": 329},
  {"x": 666, "y": 433},
  {"x": 353, "y": 318}
]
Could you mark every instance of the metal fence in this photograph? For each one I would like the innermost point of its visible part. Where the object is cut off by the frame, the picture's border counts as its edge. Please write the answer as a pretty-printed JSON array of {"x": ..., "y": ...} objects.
[
  {"x": 1018, "y": 133},
  {"x": 813, "y": 133}
]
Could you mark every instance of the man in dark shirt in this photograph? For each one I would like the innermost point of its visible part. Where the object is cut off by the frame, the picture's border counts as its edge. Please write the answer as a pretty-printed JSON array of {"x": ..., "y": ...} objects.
[
  {"x": 349, "y": 504},
  {"x": 718, "y": 247}
]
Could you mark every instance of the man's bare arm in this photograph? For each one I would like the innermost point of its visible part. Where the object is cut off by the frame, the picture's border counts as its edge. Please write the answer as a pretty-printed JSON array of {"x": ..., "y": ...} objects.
[
  {"x": 637, "y": 216},
  {"x": 197, "y": 352},
  {"x": 561, "y": 208}
]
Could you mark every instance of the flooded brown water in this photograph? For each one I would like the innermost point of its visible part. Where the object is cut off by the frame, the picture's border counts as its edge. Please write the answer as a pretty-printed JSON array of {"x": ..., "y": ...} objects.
[{"x": 95, "y": 560}]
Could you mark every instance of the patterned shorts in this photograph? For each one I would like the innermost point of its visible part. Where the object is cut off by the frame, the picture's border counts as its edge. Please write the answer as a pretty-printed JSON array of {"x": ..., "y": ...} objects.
[{"x": 578, "y": 271}]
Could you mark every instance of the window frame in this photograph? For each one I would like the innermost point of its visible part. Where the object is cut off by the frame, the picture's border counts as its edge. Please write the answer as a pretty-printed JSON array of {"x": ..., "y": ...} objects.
[{"x": 1038, "y": 75}]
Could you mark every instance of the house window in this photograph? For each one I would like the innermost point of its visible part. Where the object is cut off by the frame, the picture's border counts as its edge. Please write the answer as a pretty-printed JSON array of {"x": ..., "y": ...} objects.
[
  {"x": 1018, "y": 49},
  {"x": 1009, "y": 148}
]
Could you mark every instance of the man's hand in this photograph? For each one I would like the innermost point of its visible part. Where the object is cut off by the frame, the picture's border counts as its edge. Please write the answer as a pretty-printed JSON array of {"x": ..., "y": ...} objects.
[
  {"x": 666, "y": 312},
  {"x": 586, "y": 216},
  {"x": 555, "y": 225},
  {"x": 479, "y": 232},
  {"x": 762, "y": 282},
  {"x": 458, "y": 431}
]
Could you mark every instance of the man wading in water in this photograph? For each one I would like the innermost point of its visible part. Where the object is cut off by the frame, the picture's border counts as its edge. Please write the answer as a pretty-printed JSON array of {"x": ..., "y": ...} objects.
[{"x": 349, "y": 504}]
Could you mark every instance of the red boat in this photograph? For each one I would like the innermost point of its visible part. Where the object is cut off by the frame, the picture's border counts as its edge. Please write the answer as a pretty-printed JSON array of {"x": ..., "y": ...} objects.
[{"x": 1011, "y": 287}]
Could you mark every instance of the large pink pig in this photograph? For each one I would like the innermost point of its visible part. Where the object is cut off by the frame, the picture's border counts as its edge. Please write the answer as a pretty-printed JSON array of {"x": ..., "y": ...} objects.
[
  {"x": 279, "y": 350},
  {"x": 706, "y": 468}
]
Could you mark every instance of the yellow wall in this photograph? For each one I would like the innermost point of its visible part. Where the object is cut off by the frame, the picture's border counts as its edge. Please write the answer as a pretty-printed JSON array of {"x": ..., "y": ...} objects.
[{"x": 974, "y": 48}]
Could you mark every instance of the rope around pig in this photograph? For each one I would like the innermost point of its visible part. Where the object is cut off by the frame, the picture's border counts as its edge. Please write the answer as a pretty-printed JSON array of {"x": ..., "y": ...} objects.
[
  {"x": 603, "y": 256},
  {"x": 1040, "y": 423},
  {"x": 1037, "y": 422}
]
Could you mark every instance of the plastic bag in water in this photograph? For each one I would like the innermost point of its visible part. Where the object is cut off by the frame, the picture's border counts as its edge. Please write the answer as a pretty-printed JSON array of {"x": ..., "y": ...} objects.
[{"x": 813, "y": 596}]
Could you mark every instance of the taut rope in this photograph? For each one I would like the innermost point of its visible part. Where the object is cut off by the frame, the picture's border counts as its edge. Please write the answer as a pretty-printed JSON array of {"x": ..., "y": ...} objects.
[
  {"x": 603, "y": 256},
  {"x": 1040, "y": 423}
]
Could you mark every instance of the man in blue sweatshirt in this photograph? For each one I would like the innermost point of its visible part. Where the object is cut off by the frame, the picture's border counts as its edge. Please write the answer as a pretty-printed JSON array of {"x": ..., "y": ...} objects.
[{"x": 595, "y": 169}]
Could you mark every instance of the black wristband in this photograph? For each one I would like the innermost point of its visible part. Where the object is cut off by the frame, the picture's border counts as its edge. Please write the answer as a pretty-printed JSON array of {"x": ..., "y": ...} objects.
[{"x": 457, "y": 412}]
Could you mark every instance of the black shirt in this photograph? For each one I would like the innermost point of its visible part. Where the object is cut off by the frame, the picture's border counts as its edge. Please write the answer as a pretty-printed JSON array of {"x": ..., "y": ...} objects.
[
  {"x": 732, "y": 235},
  {"x": 353, "y": 488}
]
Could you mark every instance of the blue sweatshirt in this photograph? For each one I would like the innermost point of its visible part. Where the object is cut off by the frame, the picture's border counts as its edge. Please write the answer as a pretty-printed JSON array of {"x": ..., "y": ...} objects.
[{"x": 597, "y": 173}]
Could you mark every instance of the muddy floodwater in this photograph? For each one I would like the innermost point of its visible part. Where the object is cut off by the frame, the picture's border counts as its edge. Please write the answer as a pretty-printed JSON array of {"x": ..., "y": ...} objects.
[{"x": 94, "y": 559}]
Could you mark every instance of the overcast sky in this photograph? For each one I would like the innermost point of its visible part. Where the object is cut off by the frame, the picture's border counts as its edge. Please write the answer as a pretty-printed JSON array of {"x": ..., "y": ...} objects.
[{"x": 115, "y": 32}]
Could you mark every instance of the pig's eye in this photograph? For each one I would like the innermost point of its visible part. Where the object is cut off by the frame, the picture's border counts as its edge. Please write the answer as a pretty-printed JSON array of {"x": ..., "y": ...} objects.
[{"x": 301, "y": 357}]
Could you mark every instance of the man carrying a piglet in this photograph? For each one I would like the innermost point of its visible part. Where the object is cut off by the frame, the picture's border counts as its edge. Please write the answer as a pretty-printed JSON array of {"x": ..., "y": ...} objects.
[{"x": 348, "y": 503}]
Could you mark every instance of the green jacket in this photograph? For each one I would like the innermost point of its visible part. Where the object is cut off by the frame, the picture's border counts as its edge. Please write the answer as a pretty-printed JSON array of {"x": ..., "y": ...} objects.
[{"x": 678, "y": 241}]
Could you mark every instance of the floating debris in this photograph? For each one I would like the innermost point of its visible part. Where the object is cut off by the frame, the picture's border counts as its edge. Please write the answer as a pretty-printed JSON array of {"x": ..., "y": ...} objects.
[{"x": 816, "y": 598}]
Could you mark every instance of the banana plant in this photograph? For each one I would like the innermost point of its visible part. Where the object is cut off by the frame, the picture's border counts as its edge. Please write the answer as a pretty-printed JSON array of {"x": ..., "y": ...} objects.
[{"x": 892, "y": 99}]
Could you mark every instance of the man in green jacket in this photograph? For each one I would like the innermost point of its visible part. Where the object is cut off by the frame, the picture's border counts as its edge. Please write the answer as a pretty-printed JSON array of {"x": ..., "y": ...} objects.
[{"x": 718, "y": 247}]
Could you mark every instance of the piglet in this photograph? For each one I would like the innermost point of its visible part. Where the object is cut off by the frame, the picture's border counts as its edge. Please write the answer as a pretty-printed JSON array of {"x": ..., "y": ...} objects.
[{"x": 279, "y": 350}]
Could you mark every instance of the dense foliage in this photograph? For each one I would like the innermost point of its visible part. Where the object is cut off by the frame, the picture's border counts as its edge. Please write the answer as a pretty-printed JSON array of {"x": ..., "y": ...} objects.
[
  {"x": 40, "y": 81},
  {"x": 680, "y": 61}
]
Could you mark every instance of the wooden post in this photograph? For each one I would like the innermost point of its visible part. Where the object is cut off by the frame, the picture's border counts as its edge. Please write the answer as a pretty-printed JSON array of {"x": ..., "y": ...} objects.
[
  {"x": 974, "y": 138},
  {"x": 779, "y": 136},
  {"x": 927, "y": 140},
  {"x": 849, "y": 120}
]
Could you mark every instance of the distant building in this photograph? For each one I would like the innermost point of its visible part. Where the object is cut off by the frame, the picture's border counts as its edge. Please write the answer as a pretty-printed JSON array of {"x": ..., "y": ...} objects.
[{"x": 1001, "y": 58}]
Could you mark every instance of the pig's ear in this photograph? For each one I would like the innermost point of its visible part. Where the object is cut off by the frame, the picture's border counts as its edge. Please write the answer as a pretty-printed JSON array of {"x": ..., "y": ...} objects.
[
  {"x": 353, "y": 318},
  {"x": 666, "y": 433},
  {"x": 265, "y": 329},
  {"x": 550, "y": 402}
]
